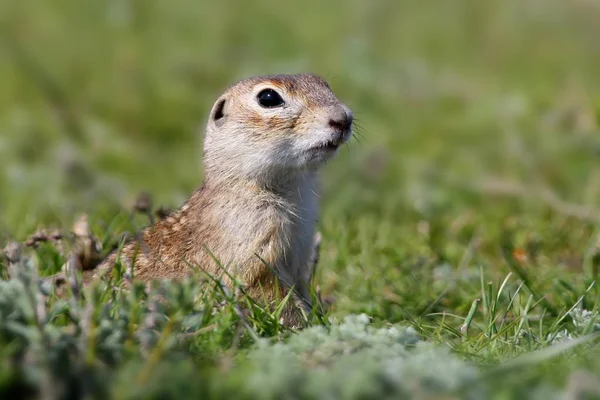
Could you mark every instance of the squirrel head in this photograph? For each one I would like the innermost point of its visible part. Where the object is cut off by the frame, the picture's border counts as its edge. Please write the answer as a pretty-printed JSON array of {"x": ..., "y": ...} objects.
[{"x": 268, "y": 127}]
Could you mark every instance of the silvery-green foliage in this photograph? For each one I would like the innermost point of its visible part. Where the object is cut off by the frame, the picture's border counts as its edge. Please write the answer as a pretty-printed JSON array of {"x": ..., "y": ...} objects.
[
  {"x": 585, "y": 320},
  {"x": 354, "y": 360},
  {"x": 69, "y": 346}
]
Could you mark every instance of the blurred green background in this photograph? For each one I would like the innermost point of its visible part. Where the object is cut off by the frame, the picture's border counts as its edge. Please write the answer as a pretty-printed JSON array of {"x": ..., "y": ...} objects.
[
  {"x": 478, "y": 153},
  {"x": 478, "y": 120}
]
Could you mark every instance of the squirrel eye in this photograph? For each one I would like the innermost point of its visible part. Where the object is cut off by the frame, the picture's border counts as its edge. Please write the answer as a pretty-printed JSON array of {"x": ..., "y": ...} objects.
[{"x": 269, "y": 98}]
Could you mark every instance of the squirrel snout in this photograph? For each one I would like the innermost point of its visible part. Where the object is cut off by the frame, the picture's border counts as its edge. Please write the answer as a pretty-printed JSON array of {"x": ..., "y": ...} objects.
[{"x": 342, "y": 121}]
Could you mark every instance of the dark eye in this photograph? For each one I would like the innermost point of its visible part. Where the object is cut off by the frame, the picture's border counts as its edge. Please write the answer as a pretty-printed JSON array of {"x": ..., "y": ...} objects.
[{"x": 269, "y": 98}]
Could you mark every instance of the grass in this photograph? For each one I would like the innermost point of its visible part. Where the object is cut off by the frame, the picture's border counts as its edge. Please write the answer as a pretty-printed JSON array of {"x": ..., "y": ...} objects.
[{"x": 463, "y": 220}]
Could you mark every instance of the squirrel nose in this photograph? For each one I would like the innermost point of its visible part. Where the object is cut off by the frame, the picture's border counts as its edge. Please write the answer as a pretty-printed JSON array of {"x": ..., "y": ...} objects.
[{"x": 343, "y": 122}]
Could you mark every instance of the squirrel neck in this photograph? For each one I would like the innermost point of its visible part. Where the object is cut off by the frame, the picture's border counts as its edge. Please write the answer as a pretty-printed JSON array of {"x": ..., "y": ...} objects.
[
  {"x": 238, "y": 201},
  {"x": 292, "y": 190},
  {"x": 287, "y": 184}
]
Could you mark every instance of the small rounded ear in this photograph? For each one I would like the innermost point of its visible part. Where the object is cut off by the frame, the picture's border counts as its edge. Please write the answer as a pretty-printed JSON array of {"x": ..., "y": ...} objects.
[{"x": 217, "y": 115}]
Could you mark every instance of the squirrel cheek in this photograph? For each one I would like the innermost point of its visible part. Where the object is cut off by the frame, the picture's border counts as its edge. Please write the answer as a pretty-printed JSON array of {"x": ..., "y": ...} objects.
[{"x": 279, "y": 123}]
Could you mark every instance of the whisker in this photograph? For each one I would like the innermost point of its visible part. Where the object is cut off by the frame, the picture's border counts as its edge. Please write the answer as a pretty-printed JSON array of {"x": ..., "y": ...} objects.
[
  {"x": 352, "y": 148},
  {"x": 358, "y": 131},
  {"x": 357, "y": 138}
]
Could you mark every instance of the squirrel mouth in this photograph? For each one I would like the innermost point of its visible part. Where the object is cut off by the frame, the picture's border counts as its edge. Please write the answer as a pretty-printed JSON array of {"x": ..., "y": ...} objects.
[{"x": 330, "y": 145}]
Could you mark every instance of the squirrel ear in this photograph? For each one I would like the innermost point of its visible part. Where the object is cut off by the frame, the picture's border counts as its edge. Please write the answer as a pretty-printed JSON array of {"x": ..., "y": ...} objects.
[{"x": 218, "y": 112}]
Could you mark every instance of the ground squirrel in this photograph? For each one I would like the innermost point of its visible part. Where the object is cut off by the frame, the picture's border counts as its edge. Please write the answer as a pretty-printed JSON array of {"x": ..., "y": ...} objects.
[{"x": 265, "y": 139}]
